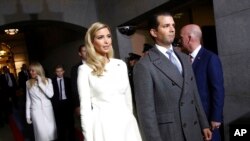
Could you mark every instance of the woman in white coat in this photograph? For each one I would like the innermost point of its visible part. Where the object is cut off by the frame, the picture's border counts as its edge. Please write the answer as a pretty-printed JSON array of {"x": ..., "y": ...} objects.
[
  {"x": 39, "y": 110},
  {"x": 105, "y": 95}
]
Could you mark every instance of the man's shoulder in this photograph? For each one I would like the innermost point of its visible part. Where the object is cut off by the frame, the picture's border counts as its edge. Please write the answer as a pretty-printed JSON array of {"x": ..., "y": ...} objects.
[
  {"x": 209, "y": 54},
  {"x": 144, "y": 59},
  {"x": 66, "y": 79},
  {"x": 54, "y": 79},
  {"x": 77, "y": 65},
  {"x": 180, "y": 53},
  {"x": 144, "y": 62}
]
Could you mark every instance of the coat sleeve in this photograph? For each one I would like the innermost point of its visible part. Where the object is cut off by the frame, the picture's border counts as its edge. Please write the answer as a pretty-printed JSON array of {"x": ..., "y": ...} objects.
[
  {"x": 145, "y": 105},
  {"x": 47, "y": 88},
  {"x": 28, "y": 102},
  {"x": 85, "y": 103},
  {"x": 215, "y": 78},
  {"x": 200, "y": 111}
]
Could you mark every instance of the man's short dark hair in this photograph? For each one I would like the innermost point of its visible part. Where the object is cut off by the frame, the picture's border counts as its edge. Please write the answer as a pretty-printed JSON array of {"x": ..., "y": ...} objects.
[
  {"x": 59, "y": 66},
  {"x": 80, "y": 47},
  {"x": 153, "y": 22}
]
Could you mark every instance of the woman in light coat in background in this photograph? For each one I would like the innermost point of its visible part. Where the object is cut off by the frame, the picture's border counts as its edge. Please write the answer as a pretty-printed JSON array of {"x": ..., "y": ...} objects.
[
  {"x": 39, "y": 110},
  {"x": 105, "y": 96}
]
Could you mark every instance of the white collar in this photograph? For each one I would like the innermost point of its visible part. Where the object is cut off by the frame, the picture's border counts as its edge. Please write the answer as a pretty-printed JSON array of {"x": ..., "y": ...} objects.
[
  {"x": 163, "y": 49},
  {"x": 57, "y": 78},
  {"x": 195, "y": 52},
  {"x": 83, "y": 61}
]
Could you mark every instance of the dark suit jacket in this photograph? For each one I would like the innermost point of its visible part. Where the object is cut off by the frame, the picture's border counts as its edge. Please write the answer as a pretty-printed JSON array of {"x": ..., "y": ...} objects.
[
  {"x": 209, "y": 77},
  {"x": 168, "y": 104},
  {"x": 63, "y": 110},
  {"x": 68, "y": 91},
  {"x": 74, "y": 74},
  {"x": 22, "y": 78},
  {"x": 4, "y": 83}
]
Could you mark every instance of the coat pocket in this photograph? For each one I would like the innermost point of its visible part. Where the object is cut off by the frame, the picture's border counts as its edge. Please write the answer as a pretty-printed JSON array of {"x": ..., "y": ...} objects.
[
  {"x": 167, "y": 126},
  {"x": 165, "y": 118}
]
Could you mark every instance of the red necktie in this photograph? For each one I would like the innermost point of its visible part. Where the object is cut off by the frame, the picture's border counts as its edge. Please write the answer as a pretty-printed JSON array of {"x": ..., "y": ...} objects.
[{"x": 191, "y": 58}]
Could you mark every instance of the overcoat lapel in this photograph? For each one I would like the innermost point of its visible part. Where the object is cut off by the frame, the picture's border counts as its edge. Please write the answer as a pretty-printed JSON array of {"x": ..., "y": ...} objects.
[
  {"x": 162, "y": 63},
  {"x": 185, "y": 68}
]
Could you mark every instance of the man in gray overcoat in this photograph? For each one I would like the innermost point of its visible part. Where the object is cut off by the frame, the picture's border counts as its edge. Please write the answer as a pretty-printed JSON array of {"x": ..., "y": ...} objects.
[{"x": 167, "y": 100}]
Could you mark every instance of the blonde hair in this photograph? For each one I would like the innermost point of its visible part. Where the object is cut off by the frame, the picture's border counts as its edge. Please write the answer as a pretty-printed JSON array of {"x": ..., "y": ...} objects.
[
  {"x": 40, "y": 71},
  {"x": 94, "y": 59}
]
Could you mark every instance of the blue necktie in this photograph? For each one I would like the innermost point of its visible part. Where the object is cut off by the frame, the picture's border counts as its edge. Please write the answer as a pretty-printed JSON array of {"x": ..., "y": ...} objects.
[{"x": 173, "y": 60}]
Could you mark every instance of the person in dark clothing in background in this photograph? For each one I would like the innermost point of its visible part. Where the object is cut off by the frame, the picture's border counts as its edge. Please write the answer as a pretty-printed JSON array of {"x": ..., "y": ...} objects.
[
  {"x": 208, "y": 75},
  {"x": 23, "y": 76},
  {"x": 62, "y": 102},
  {"x": 74, "y": 69},
  {"x": 146, "y": 48},
  {"x": 131, "y": 61},
  {"x": 9, "y": 86}
]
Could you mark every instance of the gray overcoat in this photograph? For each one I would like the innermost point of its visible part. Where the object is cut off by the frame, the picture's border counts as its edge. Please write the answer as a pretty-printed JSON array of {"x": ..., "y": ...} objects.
[{"x": 168, "y": 103}]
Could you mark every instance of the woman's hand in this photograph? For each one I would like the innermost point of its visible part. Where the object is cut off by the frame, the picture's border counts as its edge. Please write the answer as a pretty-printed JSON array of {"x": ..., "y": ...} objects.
[
  {"x": 38, "y": 78},
  {"x": 29, "y": 121},
  {"x": 207, "y": 134}
]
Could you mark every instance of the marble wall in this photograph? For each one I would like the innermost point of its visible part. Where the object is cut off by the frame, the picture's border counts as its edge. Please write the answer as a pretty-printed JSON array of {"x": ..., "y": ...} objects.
[{"x": 232, "y": 20}]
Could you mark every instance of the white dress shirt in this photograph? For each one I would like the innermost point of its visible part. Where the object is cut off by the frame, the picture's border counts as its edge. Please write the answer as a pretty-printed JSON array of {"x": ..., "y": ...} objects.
[
  {"x": 8, "y": 78},
  {"x": 163, "y": 50},
  {"x": 195, "y": 52}
]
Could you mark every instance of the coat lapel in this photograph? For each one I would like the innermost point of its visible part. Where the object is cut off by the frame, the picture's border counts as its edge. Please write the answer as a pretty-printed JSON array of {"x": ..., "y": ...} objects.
[
  {"x": 66, "y": 84},
  {"x": 186, "y": 67},
  {"x": 56, "y": 90},
  {"x": 162, "y": 63}
]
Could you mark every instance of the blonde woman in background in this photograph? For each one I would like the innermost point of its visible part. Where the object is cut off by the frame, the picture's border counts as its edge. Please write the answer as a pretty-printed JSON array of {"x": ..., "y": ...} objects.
[
  {"x": 105, "y": 96},
  {"x": 39, "y": 110}
]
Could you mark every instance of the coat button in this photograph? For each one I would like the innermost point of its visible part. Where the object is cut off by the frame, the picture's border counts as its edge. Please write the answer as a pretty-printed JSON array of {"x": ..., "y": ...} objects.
[
  {"x": 182, "y": 103},
  {"x": 173, "y": 83},
  {"x": 195, "y": 122},
  {"x": 192, "y": 101},
  {"x": 184, "y": 125},
  {"x": 191, "y": 78}
]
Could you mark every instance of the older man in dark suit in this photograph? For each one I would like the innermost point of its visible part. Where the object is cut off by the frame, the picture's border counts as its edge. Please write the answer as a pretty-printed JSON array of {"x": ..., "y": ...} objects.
[
  {"x": 167, "y": 100},
  {"x": 209, "y": 76}
]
